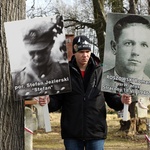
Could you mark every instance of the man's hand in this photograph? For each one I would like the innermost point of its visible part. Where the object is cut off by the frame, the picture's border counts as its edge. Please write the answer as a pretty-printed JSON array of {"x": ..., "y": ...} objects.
[
  {"x": 42, "y": 99},
  {"x": 126, "y": 99}
]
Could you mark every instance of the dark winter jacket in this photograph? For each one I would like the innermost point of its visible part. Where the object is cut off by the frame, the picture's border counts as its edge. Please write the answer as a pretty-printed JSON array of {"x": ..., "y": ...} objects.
[{"x": 83, "y": 109}]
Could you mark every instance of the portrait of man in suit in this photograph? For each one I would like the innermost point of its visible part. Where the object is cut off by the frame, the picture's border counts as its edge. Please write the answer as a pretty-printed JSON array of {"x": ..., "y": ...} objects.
[{"x": 131, "y": 47}]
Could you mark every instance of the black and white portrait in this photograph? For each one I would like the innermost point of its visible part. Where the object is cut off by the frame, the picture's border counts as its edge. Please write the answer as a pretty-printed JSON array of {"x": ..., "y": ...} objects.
[
  {"x": 126, "y": 67},
  {"x": 38, "y": 56}
]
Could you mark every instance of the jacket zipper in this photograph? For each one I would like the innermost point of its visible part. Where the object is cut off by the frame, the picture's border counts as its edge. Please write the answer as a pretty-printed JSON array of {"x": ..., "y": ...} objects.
[{"x": 93, "y": 85}]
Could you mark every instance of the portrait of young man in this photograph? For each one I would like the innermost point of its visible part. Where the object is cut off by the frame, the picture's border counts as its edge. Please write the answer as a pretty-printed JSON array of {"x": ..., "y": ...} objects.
[
  {"x": 127, "y": 53},
  {"x": 39, "y": 64}
]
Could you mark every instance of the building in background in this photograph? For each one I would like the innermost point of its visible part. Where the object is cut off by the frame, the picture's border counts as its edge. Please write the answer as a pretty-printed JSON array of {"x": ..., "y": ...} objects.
[{"x": 69, "y": 40}]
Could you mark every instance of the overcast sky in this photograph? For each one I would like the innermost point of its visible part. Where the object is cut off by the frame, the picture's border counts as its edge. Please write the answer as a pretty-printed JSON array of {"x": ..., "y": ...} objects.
[{"x": 43, "y": 3}]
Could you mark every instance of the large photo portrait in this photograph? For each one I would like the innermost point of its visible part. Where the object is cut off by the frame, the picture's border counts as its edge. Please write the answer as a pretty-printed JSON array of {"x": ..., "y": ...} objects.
[
  {"x": 38, "y": 56},
  {"x": 126, "y": 65}
]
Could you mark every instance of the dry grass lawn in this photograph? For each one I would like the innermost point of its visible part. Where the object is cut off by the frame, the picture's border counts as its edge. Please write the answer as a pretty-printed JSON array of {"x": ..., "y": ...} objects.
[{"x": 53, "y": 141}]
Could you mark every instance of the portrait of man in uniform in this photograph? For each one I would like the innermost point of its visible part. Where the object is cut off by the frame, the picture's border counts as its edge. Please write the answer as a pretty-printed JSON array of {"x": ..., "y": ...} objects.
[
  {"x": 42, "y": 67},
  {"x": 127, "y": 54}
]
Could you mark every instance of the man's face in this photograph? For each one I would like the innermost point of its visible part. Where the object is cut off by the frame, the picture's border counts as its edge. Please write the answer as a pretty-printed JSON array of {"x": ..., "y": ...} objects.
[
  {"x": 82, "y": 57},
  {"x": 40, "y": 57},
  {"x": 133, "y": 49}
]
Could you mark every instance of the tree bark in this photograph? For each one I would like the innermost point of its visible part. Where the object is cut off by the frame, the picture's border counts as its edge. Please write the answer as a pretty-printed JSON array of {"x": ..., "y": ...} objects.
[
  {"x": 99, "y": 25},
  {"x": 148, "y": 7},
  {"x": 11, "y": 110},
  {"x": 132, "y": 6}
]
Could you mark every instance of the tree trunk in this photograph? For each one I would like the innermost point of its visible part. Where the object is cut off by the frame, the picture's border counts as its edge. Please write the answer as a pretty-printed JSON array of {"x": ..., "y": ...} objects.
[
  {"x": 99, "y": 25},
  {"x": 132, "y": 6},
  {"x": 148, "y": 6},
  {"x": 11, "y": 111}
]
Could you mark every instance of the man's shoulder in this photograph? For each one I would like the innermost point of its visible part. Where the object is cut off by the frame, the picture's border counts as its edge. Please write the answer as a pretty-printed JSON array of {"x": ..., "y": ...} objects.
[
  {"x": 63, "y": 66},
  {"x": 18, "y": 73},
  {"x": 105, "y": 75},
  {"x": 145, "y": 77},
  {"x": 59, "y": 69},
  {"x": 108, "y": 72}
]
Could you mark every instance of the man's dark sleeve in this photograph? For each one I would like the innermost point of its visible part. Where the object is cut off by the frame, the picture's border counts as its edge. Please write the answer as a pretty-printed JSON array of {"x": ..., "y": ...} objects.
[
  {"x": 113, "y": 101},
  {"x": 55, "y": 103}
]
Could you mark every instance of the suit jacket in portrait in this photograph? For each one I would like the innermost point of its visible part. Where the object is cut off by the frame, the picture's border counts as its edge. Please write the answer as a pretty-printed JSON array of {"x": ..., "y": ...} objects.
[{"x": 114, "y": 83}]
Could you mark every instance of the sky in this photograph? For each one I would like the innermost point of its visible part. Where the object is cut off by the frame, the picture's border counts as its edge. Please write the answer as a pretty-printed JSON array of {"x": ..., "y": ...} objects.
[{"x": 43, "y": 3}]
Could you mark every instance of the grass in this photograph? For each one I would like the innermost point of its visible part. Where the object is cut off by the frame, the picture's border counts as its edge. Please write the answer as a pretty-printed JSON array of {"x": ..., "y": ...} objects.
[
  {"x": 51, "y": 140},
  {"x": 114, "y": 141},
  {"x": 117, "y": 140}
]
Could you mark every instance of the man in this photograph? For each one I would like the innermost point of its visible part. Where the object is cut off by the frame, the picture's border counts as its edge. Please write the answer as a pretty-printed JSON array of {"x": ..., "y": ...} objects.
[
  {"x": 83, "y": 120},
  {"x": 131, "y": 47},
  {"x": 42, "y": 75}
]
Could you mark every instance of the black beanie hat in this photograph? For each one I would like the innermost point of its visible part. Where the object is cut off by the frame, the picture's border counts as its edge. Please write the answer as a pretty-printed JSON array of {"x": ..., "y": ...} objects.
[{"x": 81, "y": 43}]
